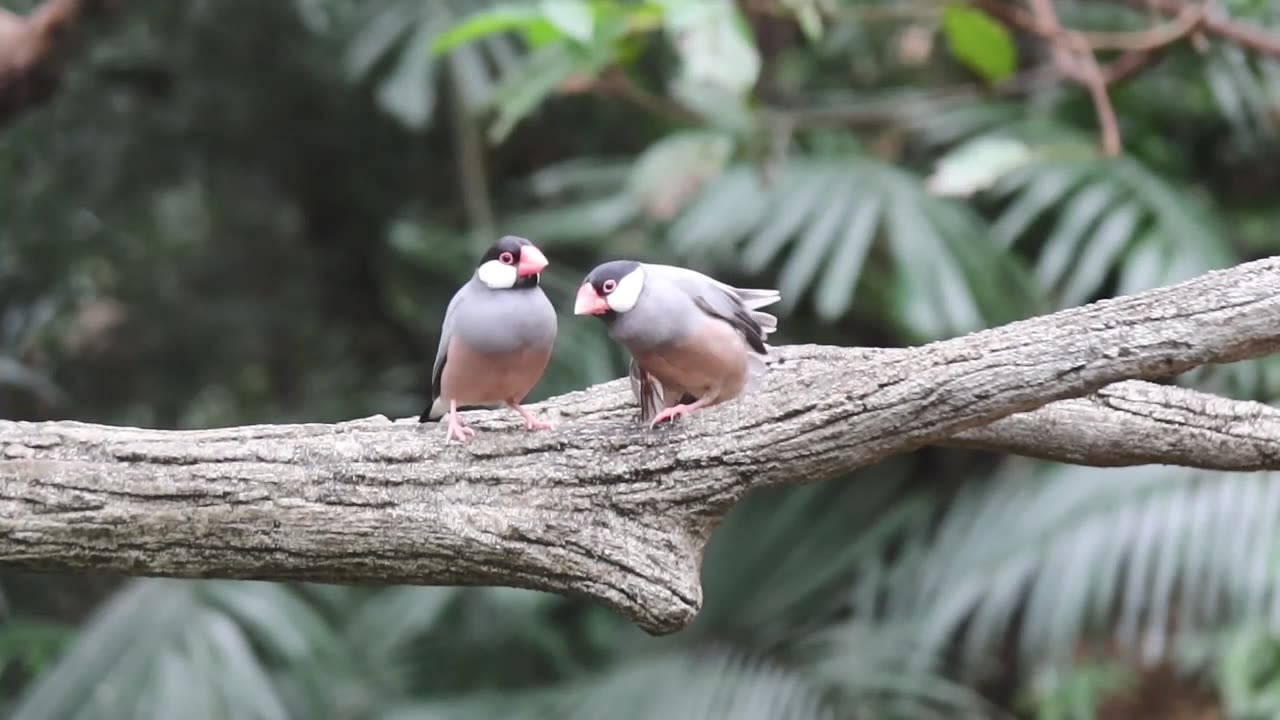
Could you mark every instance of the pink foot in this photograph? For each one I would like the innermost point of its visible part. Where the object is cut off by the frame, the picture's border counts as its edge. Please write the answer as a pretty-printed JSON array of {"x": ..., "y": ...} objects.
[
  {"x": 530, "y": 421},
  {"x": 457, "y": 431},
  {"x": 676, "y": 411}
]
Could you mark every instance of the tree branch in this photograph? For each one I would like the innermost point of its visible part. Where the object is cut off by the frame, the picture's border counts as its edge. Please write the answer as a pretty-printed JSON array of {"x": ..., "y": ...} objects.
[
  {"x": 1127, "y": 423},
  {"x": 1240, "y": 33},
  {"x": 1074, "y": 51},
  {"x": 32, "y": 49},
  {"x": 602, "y": 507},
  {"x": 1139, "y": 423}
]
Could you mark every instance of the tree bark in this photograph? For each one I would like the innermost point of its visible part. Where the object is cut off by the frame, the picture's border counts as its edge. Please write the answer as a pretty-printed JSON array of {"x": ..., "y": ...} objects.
[{"x": 602, "y": 506}]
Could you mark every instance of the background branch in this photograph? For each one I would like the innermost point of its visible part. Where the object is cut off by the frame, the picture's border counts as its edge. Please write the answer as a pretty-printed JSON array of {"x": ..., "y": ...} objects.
[
  {"x": 1241, "y": 33},
  {"x": 1074, "y": 52}
]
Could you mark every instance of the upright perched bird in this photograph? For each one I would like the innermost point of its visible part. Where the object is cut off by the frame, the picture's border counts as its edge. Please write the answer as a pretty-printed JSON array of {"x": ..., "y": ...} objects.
[
  {"x": 497, "y": 337},
  {"x": 694, "y": 341}
]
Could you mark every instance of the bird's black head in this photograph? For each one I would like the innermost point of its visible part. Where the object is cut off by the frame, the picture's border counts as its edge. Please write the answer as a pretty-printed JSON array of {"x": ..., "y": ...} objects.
[
  {"x": 511, "y": 262},
  {"x": 613, "y": 287}
]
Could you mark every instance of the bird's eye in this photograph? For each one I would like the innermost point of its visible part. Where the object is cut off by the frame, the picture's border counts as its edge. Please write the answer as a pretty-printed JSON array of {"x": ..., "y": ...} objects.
[
  {"x": 506, "y": 258},
  {"x": 609, "y": 285}
]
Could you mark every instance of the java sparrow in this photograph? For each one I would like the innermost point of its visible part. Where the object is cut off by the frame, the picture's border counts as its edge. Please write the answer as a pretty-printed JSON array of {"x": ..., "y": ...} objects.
[
  {"x": 694, "y": 341},
  {"x": 496, "y": 338}
]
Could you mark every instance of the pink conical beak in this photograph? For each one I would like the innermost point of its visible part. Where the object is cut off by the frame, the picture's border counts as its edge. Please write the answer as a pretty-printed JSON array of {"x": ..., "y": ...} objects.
[
  {"x": 589, "y": 302},
  {"x": 532, "y": 261}
]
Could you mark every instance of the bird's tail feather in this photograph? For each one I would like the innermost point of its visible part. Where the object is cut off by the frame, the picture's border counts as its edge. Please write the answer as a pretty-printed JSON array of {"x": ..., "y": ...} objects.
[
  {"x": 434, "y": 412},
  {"x": 756, "y": 298},
  {"x": 647, "y": 391}
]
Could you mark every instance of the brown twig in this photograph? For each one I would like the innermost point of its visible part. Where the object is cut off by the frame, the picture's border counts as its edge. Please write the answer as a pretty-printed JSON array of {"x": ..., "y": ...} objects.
[
  {"x": 1153, "y": 38},
  {"x": 1075, "y": 59},
  {"x": 1074, "y": 51},
  {"x": 613, "y": 82},
  {"x": 1189, "y": 18},
  {"x": 1128, "y": 65},
  {"x": 1243, "y": 34}
]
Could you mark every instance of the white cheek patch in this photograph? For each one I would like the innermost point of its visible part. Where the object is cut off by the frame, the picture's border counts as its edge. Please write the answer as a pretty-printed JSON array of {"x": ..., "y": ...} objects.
[
  {"x": 496, "y": 275},
  {"x": 624, "y": 297}
]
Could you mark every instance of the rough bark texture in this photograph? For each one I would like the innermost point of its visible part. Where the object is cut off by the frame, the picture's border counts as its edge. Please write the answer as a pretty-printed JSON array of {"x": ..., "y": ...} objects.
[{"x": 604, "y": 507}]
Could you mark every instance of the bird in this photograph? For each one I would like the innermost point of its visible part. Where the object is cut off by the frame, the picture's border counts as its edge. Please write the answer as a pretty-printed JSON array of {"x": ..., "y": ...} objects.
[
  {"x": 496, "y": 338},
  {"x": 695, "y": 342}
]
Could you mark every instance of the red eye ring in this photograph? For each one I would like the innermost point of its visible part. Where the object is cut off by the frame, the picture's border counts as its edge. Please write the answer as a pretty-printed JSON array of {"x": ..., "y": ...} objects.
[
  {"x": 609, "y": 285},
  {"x": 506, "y": 258}
]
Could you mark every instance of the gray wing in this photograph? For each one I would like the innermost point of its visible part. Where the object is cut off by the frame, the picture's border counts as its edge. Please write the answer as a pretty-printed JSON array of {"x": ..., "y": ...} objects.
[
  {"x": 726, "y": 300},
  {"x": 442, "y": 353},
  {"x": 737, "y": 306}
]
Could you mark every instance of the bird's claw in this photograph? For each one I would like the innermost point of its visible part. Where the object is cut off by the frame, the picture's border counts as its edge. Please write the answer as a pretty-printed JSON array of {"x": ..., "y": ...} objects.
[
  {"x": 458, "y": 431},
  {"x": 671, "y": 413},
  {"x": 531, "y": 421}
]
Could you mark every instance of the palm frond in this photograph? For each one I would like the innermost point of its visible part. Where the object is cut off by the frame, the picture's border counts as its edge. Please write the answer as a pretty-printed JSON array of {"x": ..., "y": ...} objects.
[
  {"x": 784, "y": 553},
  {"x": 831, "y": 211},
  {"x": 392, "y": 48},
  {"x": 1082, "y": 551},
  {"x": 1247, "y": 94},
  {"x": 388, "y": 620},
  {"x": 192, "y": 649},
  {"x": 817, "y": 224},
  {"x": 881, "y": 682},
  {"x": 702, "y": 686},
  {"x": 1107, "y": 219},
  {"x": 1116, "y": 228}
]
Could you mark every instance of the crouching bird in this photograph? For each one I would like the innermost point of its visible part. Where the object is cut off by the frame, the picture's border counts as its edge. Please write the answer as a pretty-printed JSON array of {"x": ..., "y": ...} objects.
[
  {"x": 694, "y": 341},
  {"x": 496, "y": 338}
]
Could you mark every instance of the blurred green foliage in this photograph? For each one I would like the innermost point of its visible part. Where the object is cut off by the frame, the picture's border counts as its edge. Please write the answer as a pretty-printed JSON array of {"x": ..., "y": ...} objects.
[{"x": 239, "y": 211}]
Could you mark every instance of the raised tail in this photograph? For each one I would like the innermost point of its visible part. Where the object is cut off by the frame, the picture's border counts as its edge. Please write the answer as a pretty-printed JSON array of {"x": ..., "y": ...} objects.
[{"x": 754, "y": 299}]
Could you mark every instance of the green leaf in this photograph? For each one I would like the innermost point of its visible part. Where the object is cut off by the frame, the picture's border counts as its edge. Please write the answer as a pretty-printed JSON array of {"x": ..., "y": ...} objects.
[
  {"x": 808, "y": 15},
  {"x": 933, "y": 296},
  {"x": 377, "y": 37},
  {"x": 243, "y": 677},
  {"x": 409, "y": 93},
  {"x": 1113, "y": 234},
  {"x": 279, "y": 617},
  {"x": 489, "y": 22},
  {"x": 815, "y": 245},
  {"x": 1045, "y": 189},
  {"x": 835, "y": 292},
  {"x": 799, "y": 202},
  {"x": 574, "y": 18},
  {"x": 669, "y": 172},
  {"x": 1063, "y": 245},
  {"x": 31, "y": 643},
  {"x": 684, "y": 685},
  {"x": 117, "y": 647},
  {"x": 716, "y": 51},
  {"x": 396, "y": 617},
  {"x": 728, "y": 208},
  {"x": 978, "y": 41},
  {"x": 520, "y": 93}
]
